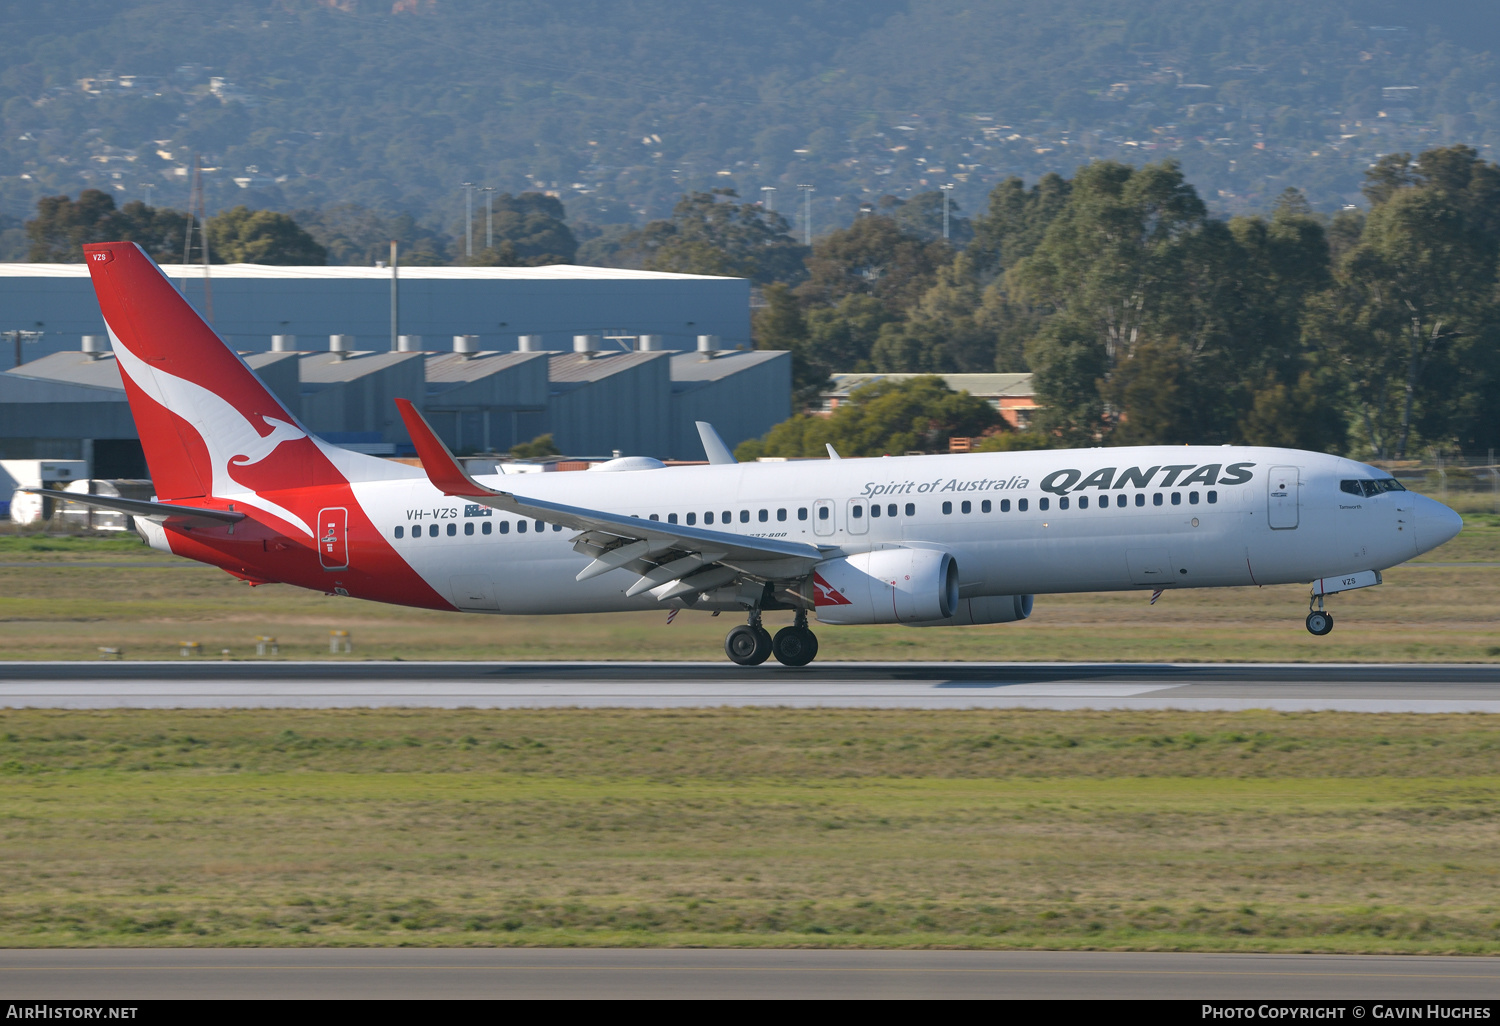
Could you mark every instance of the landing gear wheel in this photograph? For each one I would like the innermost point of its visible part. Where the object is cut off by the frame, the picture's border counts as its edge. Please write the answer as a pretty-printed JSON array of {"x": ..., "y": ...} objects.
[
  {"x": 1319, "y": 623},
  {"x": 748, "y": 645},
  {"x": 767, "y": 645},
  {"x": 795, "y": 646}
]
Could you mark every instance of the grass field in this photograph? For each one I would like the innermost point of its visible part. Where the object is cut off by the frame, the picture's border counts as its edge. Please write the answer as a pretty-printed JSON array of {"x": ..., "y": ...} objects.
[
  {"x": 1152, "y": 830},
  {"x": 64, "y": 598}
]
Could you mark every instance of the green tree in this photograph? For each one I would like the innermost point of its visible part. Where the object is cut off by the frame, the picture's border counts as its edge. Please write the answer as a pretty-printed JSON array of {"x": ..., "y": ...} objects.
[
  {"x": 845, "y": 336},
  {"x": 244, "y": 236},
  {"x": 709, "y": 233},
  {"x": 780, "y": 325},
  {"x": 922, "y": 216},
  {"x": 873, "y": 257},
  {"x": 942, "y": 332},
  {"x": 539, "y": 447},
  {"x": 1412, "y": 318},
  {"x": 885, "y": 417},
  {"x": 529, "y": 231},
  {"x": 1113, "y": 267},
  {"x": 63, "y": 225},
  {"x": 1013, "y": 225}
]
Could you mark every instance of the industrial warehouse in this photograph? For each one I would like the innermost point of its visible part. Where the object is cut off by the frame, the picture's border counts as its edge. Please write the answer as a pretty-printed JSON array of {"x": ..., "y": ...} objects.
[{"x": 603, "y": 360}]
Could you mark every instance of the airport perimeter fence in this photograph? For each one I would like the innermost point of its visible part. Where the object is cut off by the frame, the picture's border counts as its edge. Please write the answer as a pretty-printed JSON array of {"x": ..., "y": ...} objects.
[{"x": 1468, "y": 478}]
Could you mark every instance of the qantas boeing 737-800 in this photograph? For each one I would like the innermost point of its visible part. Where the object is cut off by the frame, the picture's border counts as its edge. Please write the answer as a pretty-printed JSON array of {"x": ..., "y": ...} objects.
[{"x": 923, "y": 541}]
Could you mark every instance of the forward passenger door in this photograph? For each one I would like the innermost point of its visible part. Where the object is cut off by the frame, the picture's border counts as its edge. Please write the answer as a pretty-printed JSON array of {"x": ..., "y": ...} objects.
[{"x": 1283, "y": 498}]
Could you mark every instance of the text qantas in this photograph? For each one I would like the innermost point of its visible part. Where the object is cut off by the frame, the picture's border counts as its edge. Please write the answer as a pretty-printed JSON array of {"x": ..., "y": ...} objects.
[{"x": 1061, "y": 482}]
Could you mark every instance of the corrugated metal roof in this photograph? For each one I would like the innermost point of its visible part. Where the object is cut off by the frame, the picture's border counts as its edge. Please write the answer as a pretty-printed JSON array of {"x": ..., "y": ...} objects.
[
  {"x": 19, "y": 388},
  {"x": 75, "y": 368},
  {"x": 455, "y": 367},
  {"x": 551, "y": 272},
  {"x": 575, "y": 367},
  {"x": 329, "y": 369},
  {"x": 688, "y": 367},
  {"x": 974, "y": 384}
]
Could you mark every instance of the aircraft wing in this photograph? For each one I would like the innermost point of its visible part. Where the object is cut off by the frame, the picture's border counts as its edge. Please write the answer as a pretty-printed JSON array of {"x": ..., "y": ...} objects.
[
  {"x": 140, "y": 507},
  {"x": 670, "y": 560}
]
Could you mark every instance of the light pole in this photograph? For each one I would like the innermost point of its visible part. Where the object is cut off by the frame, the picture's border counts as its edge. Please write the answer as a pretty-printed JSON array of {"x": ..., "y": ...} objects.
[
  {"x": 20, "y": 336},
  {"x": 489, "y": 216},
  {"x": 807, "y": 191},
  {"x": 946, "y": 190},
  {"x": 768, "y": 196},
  {"x": 468, "y": 188},
  {"x": 395, "y": 298}
]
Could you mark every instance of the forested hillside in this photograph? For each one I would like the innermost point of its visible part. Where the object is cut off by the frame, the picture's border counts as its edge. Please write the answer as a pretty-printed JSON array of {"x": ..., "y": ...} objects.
[{"x": 621, "y": 106}]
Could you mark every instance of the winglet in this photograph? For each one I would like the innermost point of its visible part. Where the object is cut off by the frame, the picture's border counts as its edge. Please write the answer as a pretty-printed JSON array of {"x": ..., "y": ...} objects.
[
  {"x": 713, "y": 446},
  {"x": 445, "y": 472},
  {"x": 832, "y": 452}
]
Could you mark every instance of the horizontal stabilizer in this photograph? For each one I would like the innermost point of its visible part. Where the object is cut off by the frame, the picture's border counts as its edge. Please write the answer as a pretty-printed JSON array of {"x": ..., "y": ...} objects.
[{"x": 140, "y": 507}]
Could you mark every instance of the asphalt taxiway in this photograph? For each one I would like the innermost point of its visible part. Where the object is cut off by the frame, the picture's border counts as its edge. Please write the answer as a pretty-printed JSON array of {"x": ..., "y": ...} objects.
[
  {"x": 1190, "y": 686},
  {"x": 394, "y": 973}
]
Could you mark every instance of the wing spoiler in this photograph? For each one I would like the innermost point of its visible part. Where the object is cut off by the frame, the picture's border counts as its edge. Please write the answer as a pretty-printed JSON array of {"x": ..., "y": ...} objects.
[{"x": 617, "y": 541}]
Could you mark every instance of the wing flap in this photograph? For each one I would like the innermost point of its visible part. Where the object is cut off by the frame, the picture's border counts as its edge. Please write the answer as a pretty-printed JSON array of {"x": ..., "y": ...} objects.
[{"x": 611, "y": 538}]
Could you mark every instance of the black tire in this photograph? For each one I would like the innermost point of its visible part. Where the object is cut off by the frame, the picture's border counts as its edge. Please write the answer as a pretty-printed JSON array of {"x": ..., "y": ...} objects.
[
  {"x": 746, "y": 646},
  {"x": 794, "y": 646},
  {"x": 766, "y": 645},
  {"x": 1319, "y": 623}
]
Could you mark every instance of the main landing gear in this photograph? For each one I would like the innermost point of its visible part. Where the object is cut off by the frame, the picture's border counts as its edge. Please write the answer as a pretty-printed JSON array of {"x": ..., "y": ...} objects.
[
  {"x": 1319, "y": 620},
  {"x": 750, "y": 644}
]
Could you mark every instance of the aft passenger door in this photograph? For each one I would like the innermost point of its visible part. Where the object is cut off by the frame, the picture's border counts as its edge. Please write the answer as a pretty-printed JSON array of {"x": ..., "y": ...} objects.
[
  {"x": 823, "y": 516},
  {"x": 1283, "y": 498},
  {"x": 333, "y": 538}
]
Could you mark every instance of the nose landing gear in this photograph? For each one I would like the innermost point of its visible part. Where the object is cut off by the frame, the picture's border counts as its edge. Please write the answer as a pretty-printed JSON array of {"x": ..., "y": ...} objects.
[
  {"x": 1319, "y": 620},
  {"x": 750, "y": 644},
  {"x": 1319, "y": 623}
]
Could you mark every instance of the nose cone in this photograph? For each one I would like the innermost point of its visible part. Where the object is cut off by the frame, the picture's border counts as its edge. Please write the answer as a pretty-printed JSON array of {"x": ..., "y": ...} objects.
[{"x": 1436, "y": 523}]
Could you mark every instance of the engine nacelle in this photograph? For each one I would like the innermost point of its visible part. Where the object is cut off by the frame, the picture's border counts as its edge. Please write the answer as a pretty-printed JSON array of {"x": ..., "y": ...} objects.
[
  {"x": 985, "y": 609},
  {"x": 887, "y": 586}
]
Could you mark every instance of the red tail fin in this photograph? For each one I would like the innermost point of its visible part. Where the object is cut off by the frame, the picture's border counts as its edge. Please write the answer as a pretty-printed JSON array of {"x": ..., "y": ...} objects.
[{"x": 198, "y": 408}]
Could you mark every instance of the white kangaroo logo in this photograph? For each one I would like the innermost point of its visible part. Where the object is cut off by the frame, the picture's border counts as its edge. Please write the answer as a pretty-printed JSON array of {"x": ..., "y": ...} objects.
[
  {"x": 223, "y": 429},
  {"x": 281, "y": 431}
]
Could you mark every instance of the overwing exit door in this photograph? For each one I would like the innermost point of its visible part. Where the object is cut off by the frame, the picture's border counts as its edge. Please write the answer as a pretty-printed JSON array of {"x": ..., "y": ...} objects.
[
  {"x": 333, "y": 538},
  {"x": 823, "y": 516},
  {"x": 1283, "y": 498}
]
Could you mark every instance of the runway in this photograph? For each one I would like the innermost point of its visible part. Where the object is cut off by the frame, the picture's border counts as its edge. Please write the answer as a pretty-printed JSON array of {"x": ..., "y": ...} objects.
[
  {"x": 394, "y": 973},
  {"x": 1190, "y": 686}
]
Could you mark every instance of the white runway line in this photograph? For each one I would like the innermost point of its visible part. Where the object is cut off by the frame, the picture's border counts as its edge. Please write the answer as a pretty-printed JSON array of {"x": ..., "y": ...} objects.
[{"x": 1373, "y": 688}]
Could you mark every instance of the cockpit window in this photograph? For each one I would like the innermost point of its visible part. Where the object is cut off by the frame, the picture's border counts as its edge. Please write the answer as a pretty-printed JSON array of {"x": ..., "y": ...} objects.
[{"x": 1369, "y": 489}]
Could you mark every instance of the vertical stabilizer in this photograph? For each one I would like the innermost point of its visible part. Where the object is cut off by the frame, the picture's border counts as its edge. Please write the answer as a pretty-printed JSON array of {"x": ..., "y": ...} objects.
[{"x": 201, "y": 413}]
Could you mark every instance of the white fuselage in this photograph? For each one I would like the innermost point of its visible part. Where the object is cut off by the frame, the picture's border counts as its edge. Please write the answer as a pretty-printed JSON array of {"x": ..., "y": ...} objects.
[{"x": 1228, "y": 516}]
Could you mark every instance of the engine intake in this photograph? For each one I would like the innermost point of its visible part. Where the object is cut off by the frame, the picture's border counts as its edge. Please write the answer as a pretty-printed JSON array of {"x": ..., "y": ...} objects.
[{"x": 898, "y": 585}]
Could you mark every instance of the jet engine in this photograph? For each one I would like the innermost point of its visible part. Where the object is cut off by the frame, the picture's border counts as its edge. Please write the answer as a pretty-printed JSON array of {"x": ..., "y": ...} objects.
[
  {"x": 887, "y": 586},
  {"x": 985, "y": 609}
]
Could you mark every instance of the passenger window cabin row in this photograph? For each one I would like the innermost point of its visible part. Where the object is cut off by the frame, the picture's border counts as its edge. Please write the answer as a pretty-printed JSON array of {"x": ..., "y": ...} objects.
[
  {"x": 485, "y": 527},
  {"x": 1065, "y": 502},
  {"x": 856, "y": 511}
]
